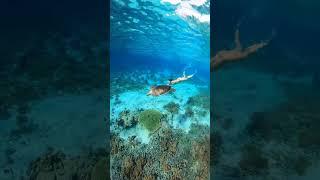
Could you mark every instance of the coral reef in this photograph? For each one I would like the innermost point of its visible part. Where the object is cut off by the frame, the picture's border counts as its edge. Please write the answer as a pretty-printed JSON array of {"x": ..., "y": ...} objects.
[
  {"x": 150, "y": 119},
  {"x": 158, "y": 147},
  {"x": 117, "y": 144},
  {"x": 128, "y": 119},
  {"x": 201, "y": 100},
  {"x": 133, "y": 167},
  {"x": 171, "y": 154},
  {"x": 56, "y": 165},
  {"x": 172, "y": 107},
  {"x": 189, "y": 112},
  {"x": 201, "y": 157}
]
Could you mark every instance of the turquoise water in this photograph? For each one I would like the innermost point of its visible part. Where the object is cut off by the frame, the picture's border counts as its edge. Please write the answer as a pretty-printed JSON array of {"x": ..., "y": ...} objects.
[
  {"x": 174, "y": 31},
  {"x": 151, "y": 42}
]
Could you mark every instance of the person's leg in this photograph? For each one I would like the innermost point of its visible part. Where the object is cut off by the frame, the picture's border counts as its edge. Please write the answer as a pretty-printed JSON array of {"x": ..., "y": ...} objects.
[
  {"x": 237, "y": 40},
  {"x": 254, "y": 48}
]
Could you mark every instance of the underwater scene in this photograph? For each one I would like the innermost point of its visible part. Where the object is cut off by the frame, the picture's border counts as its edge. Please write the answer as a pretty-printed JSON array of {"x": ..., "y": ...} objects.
[
  {"x": 266, "y": 102},
  {"x": 159, "y": 89},
  {"x": 52, "y": 90}
]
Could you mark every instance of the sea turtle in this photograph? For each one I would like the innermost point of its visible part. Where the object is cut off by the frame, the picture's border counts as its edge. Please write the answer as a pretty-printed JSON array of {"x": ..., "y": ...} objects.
[{"x": 159, "y": 90}]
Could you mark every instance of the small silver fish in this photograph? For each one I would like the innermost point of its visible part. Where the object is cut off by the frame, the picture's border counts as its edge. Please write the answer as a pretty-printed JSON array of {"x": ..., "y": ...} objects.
[{"x": 159, "y": 90}]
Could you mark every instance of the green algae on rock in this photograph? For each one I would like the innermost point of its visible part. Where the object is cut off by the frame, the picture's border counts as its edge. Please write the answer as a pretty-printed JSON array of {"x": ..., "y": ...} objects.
[{"x": 150, "y": 119}]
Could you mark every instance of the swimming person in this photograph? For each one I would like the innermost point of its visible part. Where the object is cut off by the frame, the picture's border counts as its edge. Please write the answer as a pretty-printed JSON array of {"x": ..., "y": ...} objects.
[
  {"x": 238, "y": 53},
  {"x": 180, "y": 79}
]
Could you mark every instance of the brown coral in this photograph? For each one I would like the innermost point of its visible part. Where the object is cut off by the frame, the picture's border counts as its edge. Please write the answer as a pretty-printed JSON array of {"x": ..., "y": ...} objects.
[
  {"x": 133, "y": 167},
  {"x": 201, "y": 156},
  {"x": 128, "y": 119},
  {"x": 169, "y": 155},
  {"x": 116, "y": 144},
  {"x": 56, "y": 165}
]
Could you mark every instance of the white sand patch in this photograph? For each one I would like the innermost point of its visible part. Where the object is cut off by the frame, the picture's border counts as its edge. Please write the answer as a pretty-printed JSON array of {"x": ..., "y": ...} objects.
[{"x": 142, "y": 135}]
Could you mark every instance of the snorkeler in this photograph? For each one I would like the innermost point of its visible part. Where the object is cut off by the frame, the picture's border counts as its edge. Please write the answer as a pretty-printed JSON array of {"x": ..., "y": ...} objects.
[
  {"x": 180, "y": 79},
  {"x": 163, "y": 89},
  {"x": 238, "y": 53}
]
